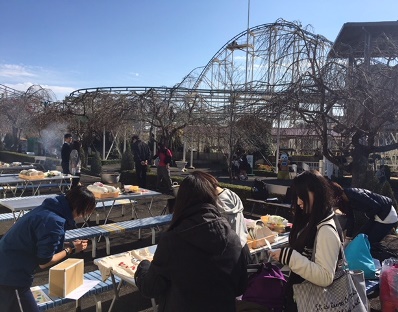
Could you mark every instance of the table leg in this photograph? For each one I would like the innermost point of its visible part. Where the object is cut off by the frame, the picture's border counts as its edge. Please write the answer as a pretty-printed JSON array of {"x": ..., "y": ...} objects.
[
  {"x": 106, "y": 218},
  {"x": 149, "y": 207},
  {"x": 116, "y": 288},
  {"x": 78, "y": 305},
  {"x": 133, "y": 209}
]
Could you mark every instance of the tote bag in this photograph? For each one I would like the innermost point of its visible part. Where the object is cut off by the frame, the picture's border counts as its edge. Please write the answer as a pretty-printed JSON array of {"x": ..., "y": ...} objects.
[
  {"x": 358, "y": 256},
  {"x": 342, "y": 295}
]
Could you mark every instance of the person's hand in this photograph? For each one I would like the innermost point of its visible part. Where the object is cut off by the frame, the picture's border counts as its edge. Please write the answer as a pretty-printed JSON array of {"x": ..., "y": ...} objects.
[
  {"x": 274, "y": 254},
  {"x": 80, "y": 244},
  {"x": 347, "y": 240}
]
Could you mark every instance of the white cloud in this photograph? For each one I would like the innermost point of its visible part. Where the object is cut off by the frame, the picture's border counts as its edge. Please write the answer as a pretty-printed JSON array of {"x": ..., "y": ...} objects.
[
  {"x": 15, "y": 71},
  {"x": 21, "y": 77}
]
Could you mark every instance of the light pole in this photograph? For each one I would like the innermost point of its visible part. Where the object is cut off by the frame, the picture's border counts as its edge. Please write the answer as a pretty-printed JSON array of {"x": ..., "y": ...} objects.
[{"x": 247, "y": 41}]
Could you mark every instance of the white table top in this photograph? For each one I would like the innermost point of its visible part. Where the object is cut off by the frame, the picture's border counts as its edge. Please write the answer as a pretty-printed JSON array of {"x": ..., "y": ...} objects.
[
  {"x": 146, "y": 193},
  {"x": 24, "y": 203},
  {"x": 31, "y": 202},
  {"x": 105, "y": 264}
]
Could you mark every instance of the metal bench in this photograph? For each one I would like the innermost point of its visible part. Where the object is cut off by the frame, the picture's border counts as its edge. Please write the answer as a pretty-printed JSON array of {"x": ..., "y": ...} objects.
[
  {"x": 101, "y": 287},
  {"x": 94, "y": 232}
]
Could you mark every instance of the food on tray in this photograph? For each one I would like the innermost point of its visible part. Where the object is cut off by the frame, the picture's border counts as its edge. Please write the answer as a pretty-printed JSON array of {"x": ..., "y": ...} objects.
[
  {"x": 98, "y": 187},
  {"x": 259, "y": 234},
  {"x": 275, "y": 223},
  {"x": 31, "y": 173},
  {"x": 132, "y": 188},
  {"x": 4, "y": 164},
  {"x": 102, "y": 190},
  {"x": 53, "y": 173}
]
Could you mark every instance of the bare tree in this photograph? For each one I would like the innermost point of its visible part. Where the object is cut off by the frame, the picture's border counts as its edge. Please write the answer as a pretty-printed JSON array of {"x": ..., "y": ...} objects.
[{"x": 347, "y": 105}]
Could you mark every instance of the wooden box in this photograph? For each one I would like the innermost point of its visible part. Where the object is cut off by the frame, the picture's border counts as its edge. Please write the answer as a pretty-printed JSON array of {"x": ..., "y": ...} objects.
[
  {"x": 106, "y": 195},
  {"x": 66, "y": 277}
]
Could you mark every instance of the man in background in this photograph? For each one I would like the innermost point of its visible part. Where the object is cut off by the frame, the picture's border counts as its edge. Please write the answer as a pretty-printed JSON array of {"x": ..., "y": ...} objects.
[
  {"x": 65, "y": 153},
  {"x": 142, "y": 154}
]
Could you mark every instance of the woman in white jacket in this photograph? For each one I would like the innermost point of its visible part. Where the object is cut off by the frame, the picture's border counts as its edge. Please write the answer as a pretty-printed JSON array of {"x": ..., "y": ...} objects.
[{"x": 314, "y": 217}]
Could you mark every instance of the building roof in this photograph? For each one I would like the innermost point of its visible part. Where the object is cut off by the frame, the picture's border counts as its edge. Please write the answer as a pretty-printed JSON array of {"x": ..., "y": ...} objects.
[{"x": 351, "y": 39}]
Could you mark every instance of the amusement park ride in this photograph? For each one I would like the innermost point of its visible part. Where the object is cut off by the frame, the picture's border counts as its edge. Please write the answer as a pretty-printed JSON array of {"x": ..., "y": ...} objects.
[{"x": 256, "y": 68}]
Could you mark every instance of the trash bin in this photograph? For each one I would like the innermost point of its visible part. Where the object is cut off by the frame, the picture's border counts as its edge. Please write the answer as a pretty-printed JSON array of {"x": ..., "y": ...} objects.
[{"x": 175, "y": 186}]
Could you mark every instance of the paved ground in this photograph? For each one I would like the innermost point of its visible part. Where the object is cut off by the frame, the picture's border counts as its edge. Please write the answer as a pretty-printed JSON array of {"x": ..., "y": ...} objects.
[{"x": 130, "y": 299}]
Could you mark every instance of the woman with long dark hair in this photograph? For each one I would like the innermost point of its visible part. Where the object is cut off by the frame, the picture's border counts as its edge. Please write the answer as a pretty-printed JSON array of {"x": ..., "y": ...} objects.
[
  {"x": 198, "y": 264},
  {"x": 314, "y": 217}
]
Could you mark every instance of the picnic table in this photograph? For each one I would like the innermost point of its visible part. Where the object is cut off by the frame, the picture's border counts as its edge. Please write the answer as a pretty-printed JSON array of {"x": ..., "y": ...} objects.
[
  {"x": 4, "y": 169},
  {"x": 19, "y": 205},
  {"x": 108, "y": 268},
  {"x": 15, "y": 183}
]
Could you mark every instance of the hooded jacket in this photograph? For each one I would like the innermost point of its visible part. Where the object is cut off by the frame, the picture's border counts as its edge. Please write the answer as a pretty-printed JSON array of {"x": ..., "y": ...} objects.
[
  {"x": 198, "y": 265},
  {"x": 33, "y": 240},
  {"x": 231, "y": 208}
]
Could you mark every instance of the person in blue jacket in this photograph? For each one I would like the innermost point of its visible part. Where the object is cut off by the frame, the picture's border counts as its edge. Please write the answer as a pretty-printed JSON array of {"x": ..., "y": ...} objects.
[{"x": 37, "y": 240}]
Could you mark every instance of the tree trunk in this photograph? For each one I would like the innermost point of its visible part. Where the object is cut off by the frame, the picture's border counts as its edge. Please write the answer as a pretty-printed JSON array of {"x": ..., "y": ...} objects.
[{"x": 359, "y": 166}]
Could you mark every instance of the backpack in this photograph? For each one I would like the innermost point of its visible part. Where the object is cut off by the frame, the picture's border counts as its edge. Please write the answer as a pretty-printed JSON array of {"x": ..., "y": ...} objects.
[
  {"x": 266, "y": 286},
  {"x": 259, "y": 190}
]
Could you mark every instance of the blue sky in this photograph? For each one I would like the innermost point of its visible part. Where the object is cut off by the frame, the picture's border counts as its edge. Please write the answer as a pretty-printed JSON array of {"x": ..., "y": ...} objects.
[{"x": 66, "y": 45}]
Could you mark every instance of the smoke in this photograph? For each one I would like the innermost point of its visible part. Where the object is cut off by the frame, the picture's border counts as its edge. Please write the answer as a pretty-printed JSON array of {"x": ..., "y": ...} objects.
[{"x": 52, "y": 137}]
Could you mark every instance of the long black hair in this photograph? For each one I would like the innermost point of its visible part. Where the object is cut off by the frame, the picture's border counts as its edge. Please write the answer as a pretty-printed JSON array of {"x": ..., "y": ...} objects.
[
  {"x": 194, "y": 190},
  {"x": 307, "y": 219}
]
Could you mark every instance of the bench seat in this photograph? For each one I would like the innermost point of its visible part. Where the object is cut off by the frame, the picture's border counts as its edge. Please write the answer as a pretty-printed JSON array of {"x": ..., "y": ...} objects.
[
  {"x": 94, "y": 232},
  {"x": 270, "y": 202},
  {"x": 6, "y": 217}
]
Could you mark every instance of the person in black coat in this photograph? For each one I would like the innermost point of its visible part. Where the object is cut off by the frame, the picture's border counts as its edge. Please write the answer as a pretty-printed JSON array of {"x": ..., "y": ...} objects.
[
  {"x": 65, "y": 153},
  {"x": 199, "y": 263},
  {"x": 378, "y": 209},
  {"x": 142, "y": 155}
]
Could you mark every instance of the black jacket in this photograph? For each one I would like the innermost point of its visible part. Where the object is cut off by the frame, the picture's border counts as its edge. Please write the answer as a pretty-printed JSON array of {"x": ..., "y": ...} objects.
[
  {"x": 370, "y": 203},
  {"x": 65, "y": 153},
  {"x": 197, "y": 266},
  {"x": 140, "y": 151}
]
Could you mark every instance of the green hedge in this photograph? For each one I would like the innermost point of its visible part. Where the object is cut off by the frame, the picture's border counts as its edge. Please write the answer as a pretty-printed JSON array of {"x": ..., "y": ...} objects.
[
  {"x": 10, "y": 157},
  {"x": 263, "y": 173}
]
